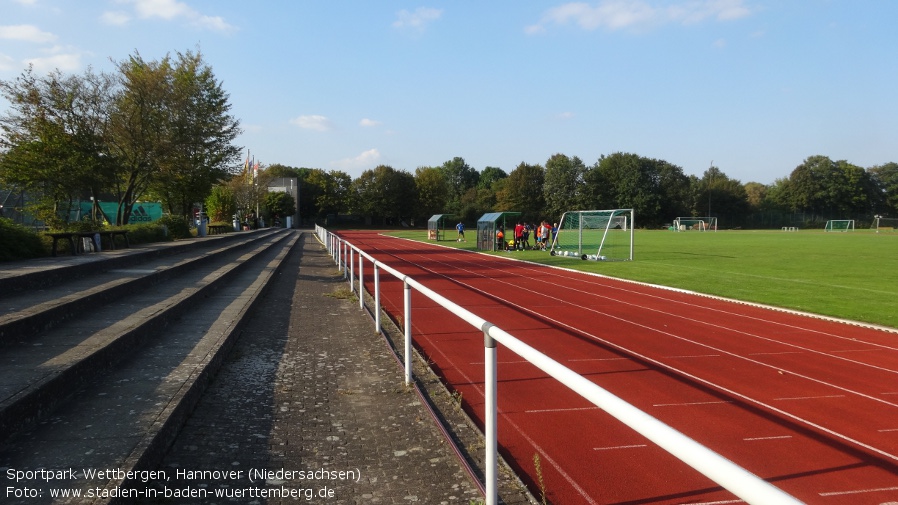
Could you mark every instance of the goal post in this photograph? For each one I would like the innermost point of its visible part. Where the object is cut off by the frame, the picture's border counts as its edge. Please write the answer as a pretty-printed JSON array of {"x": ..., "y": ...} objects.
[
  {"x": 839, "y": 225},
  {"x": 884, "y": 224},
  {"x": 695, "y": 223},
  {"x": 599, "y": 235}
]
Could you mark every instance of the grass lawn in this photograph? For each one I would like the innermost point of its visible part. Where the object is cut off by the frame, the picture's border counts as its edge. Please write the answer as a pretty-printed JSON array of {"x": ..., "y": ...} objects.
[{"x": 851, "y": 275}]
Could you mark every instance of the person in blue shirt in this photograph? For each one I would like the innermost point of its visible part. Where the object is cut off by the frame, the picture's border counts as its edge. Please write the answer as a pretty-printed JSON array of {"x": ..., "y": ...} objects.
[{"x": 460, "y": 227}]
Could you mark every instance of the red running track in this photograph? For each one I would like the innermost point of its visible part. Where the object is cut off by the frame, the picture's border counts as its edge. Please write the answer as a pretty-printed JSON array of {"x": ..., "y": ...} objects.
[{"x": 808, "y": 404}]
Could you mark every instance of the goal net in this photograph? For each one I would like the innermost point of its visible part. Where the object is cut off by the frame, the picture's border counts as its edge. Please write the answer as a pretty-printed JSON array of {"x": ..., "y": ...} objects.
[
  {"x": 885, "y": 224},
  {"x": 839, "y": 225},
  {"x": 599, "y": 235},
  {"x": 695, "y": 223}
]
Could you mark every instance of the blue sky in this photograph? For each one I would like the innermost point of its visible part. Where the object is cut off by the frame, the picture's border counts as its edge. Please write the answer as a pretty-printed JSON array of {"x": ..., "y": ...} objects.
[{"x": 754, "y": 86}]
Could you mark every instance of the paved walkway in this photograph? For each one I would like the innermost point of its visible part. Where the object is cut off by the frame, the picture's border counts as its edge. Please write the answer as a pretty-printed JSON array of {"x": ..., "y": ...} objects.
[{"x": 310, "y": 387}]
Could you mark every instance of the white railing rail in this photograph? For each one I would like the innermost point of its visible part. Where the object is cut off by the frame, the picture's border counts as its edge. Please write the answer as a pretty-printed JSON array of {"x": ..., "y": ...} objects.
[{"x": 724, "y": 472}]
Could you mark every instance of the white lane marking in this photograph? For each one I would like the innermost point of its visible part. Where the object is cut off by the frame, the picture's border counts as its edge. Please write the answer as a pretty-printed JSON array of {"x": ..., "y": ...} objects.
[
  {"x": 808, "y": 397},
  {"x": 686, "y": 404},
  {"x": 570, "y": 409},
  {"x": 515, "y": 362},
  {"x": 779, "y": 437},
  {"x": 601, "y": 359},
  {"x": 611, "y": 448},
  {"x": 858, "y": 491}
]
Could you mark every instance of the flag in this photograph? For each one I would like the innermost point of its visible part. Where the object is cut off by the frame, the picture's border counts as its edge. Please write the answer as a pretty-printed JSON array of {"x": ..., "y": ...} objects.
[{"x": 255, "y": 170}]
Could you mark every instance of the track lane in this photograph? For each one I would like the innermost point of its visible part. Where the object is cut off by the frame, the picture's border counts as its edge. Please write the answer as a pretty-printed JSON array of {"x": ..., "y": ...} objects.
[{"x": 500, "y": 289}]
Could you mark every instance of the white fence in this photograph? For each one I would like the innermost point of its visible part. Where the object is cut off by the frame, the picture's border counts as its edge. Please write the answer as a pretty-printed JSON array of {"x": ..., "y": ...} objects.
[{"x": 724, "y": 472}]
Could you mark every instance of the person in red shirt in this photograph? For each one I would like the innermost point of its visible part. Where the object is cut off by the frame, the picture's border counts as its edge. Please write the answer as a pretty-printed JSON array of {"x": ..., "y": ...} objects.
[{"x": 519, "y": 235}]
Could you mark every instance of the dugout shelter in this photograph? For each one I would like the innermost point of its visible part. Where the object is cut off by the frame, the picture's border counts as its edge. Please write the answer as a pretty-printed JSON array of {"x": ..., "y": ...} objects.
[
  {"x": 436, "y": 226},
  {"x": 489, "y": 224}
]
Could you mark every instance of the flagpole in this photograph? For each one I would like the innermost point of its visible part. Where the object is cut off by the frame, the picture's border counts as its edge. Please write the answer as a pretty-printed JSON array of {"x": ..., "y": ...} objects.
[{"x": 256, "y": 193}]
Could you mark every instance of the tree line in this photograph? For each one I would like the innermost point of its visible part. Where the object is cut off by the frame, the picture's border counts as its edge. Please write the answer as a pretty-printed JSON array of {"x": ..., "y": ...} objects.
[
  {"x": 161, "y": 130},
  {"x": 817, "y": 190},
  {"x": 158, "y": 130}
]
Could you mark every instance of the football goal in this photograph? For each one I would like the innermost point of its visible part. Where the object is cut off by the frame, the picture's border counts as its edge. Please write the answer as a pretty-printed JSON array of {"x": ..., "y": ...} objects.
[
  {"x": 839, "y": 225},
  {"x": 885, "y": 224},
  {"x": 599, "y": 235},
  {"x": 695, "y": 223}
]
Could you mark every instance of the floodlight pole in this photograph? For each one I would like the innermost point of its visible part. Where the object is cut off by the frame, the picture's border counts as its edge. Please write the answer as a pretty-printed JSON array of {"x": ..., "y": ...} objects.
[{"x": 710, "y": 174}]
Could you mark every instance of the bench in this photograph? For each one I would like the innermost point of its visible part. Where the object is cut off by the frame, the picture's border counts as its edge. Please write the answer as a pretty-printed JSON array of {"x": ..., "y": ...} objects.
[
  {"x": 96, "y": 237},
  {"x": 219, "y": 228}
]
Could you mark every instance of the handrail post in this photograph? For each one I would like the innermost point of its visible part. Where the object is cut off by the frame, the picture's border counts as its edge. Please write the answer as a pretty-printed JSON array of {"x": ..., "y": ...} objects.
[
  {"x": 351, "y": 270},
  {"x": 376, "y": 298},
  {"x": 407, "y": 302},
  {"x": 361, "y": 283},
  {"x": 490, "y": 415}
]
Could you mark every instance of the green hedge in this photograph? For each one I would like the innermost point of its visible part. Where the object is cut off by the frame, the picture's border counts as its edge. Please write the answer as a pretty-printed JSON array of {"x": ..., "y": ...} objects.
[
  {"x": 18, "y": 242},
  {"x": 178, "y": 227}
]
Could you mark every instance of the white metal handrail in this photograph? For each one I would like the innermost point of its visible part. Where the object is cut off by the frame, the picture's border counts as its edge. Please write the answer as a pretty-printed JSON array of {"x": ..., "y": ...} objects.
[{"x": 721, "y": 470}]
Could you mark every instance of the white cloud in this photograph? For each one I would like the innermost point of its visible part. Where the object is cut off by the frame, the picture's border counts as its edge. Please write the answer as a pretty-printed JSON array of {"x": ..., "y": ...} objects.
[
  {"x": 165, "y": 9},
  {"x": 417, "y": 20},
  {"x": 214, "y": 23},
  {"x": 116, "y": 18},
  {"x": 638, "y": 14},
  {"x": 7, "y": 63},
  {"x": 62, "y": 61},
  {"x": 313, "y": 122},
  {"x": 564, "y": 116},
  {"x": 367, "y": 123},
  {"x": 26, "y": 33},
  {"x": 366, "y": 160},
  {"x": 170, "y": 10}
]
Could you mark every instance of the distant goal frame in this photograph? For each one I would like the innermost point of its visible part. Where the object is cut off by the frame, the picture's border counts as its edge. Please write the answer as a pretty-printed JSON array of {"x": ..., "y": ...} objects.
[
  {"x": 599, "y": 235},
  {"x": 884, "y": 224},
  {"x": 699, "y": 223},
  {"x": 841, "y": 225}
]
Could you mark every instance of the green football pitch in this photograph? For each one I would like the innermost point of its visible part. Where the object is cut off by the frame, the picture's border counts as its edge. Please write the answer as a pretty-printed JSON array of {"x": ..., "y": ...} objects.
[{"x": 851, "y": 275}]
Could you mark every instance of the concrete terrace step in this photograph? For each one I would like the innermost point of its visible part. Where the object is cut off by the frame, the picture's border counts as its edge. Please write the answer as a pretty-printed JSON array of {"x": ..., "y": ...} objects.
[
  {"x": 33, "y": 310},
  {"x": 125, "y": 417},
  {"x": 43, "y": 371},
  {"x": 20, "y": 276}
]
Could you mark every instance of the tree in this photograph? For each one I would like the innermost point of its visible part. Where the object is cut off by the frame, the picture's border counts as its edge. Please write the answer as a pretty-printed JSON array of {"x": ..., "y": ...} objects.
[
  {"x": 488, "y": 176},
  {"x": 221, "y": 205},
  {"x": 140, "y": 139},
  {"x": 721, "y": 197},
  {"x": 460, "y": 177},
  {"x": 673, "y": 186},
  {"x": 54, "y": 136},
  {"x": 522, "y": 191},
  {"x": 563, "y": 185},
  {"x": 201, "y": 152},
  {"x": 828, "y": 189},
  {"x": 279, "y": 204},
  {"x": 327, "y": 192},
  {"x": 624, "y": 181},
  {"x": 431, "y": 187},
  {"x": 385, "y": 193},
  {"x": 249, "y": 192},
  {"x": 885, "y": 180}
]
